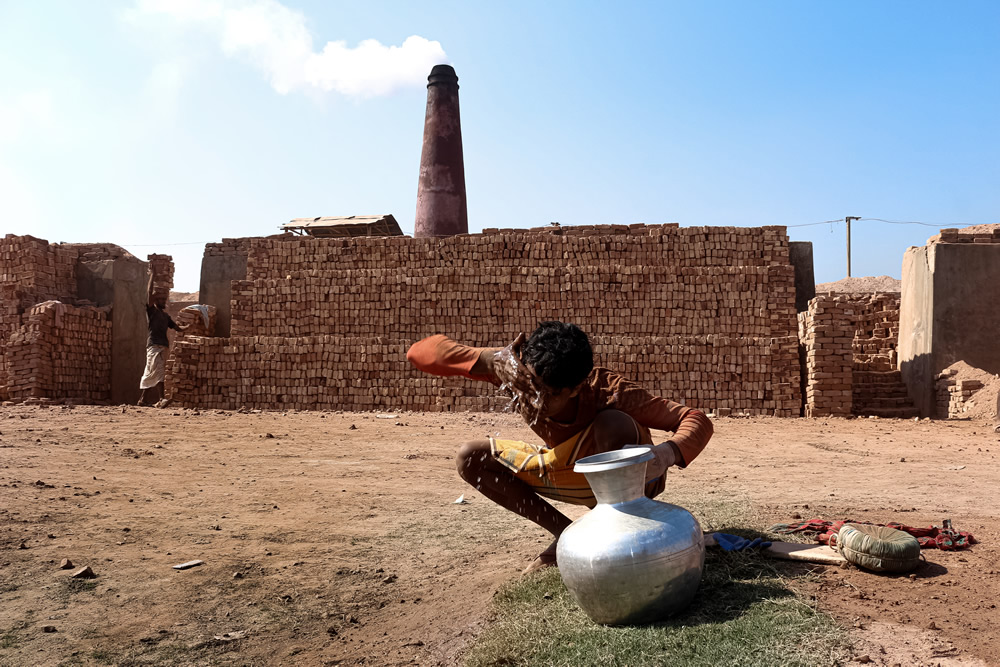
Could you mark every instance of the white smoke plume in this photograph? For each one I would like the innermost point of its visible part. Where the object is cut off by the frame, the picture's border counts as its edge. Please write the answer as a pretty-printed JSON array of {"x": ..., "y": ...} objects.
[{"x": 275, "y": 40}]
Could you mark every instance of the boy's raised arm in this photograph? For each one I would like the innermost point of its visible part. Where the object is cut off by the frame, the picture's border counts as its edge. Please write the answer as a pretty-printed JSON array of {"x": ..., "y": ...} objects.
[{"x": 440, "y": 355}]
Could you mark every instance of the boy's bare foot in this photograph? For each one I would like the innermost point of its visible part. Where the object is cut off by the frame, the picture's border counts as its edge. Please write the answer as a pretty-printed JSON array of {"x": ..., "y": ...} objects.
[{"x": 545, "y": 559}]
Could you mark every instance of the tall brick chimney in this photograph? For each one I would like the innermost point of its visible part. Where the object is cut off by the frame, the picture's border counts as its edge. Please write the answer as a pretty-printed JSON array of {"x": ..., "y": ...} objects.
[{"x": 441, "y": 205}]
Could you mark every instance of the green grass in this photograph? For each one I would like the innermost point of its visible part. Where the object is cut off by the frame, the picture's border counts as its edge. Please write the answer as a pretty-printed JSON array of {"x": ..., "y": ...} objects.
[
  {"x": 9, "y": 640},
  {"x": 170, "y": 653},
  {"x": 74, "y": 586},
  {"x": 744, "y": 614}
]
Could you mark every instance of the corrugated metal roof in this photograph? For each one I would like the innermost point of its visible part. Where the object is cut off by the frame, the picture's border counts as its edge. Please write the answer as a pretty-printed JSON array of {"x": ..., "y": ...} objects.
[{"x": 352, "y": 225}]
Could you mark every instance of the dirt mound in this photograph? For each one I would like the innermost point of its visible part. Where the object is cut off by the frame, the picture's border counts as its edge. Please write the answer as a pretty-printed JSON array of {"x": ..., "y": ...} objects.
[
  {"x": 184, "y": 297},
  {"x": 984, "y": 403},
  {"x": 862, "y": 285}
]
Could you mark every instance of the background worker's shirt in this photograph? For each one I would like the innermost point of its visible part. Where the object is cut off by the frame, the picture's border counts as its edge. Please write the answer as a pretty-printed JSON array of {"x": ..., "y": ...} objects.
[
  {"x": 159, "y": 322},
  {"x": 602, "y": 390}
]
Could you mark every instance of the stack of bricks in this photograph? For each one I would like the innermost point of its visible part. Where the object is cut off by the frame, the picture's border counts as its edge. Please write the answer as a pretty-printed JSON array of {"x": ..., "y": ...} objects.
[
  {"x": 953, "y": 235},
  {"x": 491, "y": 307},
  {"x": 622, "y": 245},
  {"x": 877, "y": 385},
  {"x": 61, "y": 352},
  {"x": 162, "y": 267},
  {"x": 198, "y": 320},
  {"x": 752, "y": 376},
  {"x": 876, "y": 335},
  {"x": 623, "y": 280},
  {"x": 228, "y": 247},
  {"x": 31, "y": 271},
  {"x": 706, "y": 315},
  {"x": 953, "y": 395},
  {"x": 332, "y": 372},
  {"x": 827, "y": 331},
  {"x": 95, "y": 252}
]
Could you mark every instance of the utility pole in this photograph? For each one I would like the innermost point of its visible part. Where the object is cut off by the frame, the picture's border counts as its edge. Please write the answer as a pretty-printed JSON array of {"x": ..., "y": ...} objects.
[{"x": 848, "y": 221}]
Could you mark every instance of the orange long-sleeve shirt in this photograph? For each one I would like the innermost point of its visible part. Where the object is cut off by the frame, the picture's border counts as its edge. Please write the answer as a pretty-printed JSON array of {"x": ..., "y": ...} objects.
[{"x": 602, "y": 390}]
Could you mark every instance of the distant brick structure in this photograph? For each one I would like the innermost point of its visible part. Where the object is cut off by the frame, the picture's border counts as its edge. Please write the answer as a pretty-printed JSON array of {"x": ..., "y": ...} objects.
[
  {"x": 865, "y": 382},
  {"x": 705, "y": 315},
  {"x": 878, "y": 388},
  {"x": 953, "y": 235},
  {"x": 54, "y": 344},
  {"x": 827, "y": 333},
  {"x": 61, "y": 352},
  {"x": 953, "y": 395},
  {"x": 876, "y": 337},
  {"x": 31, "y": 271},
  {"x": 948, "y": 312}
]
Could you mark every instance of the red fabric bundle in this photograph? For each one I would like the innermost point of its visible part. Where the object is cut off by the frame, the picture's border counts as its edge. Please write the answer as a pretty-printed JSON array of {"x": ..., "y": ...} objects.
[{"x": 932, "y": 537}]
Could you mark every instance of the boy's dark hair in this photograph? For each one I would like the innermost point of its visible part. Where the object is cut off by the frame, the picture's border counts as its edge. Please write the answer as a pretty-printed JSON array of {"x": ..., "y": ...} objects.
[{"x": 560, "y": 353}]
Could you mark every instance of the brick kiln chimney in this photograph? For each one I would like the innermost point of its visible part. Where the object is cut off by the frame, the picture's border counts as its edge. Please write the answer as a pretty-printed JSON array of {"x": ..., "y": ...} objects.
[{"x": 441, "y": 206}]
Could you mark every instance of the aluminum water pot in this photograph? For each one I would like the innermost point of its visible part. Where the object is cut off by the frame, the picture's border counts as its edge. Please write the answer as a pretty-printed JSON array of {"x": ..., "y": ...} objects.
[{"x": 630, "y": 560}]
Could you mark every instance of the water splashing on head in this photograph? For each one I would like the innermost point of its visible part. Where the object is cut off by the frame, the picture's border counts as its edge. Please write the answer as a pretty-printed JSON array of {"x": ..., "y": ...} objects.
[{"x": 528, "y": 399}]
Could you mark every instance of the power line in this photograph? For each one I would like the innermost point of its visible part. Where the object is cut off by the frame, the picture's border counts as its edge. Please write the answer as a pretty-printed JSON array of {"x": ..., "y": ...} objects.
[
  {"x": 807, "y": 224},
  {"x": 151, "y": 245},
  {"x": 936, "y": 225},
  {"x": 812, "y": 224},
  {"x": 912, "y": 222}
]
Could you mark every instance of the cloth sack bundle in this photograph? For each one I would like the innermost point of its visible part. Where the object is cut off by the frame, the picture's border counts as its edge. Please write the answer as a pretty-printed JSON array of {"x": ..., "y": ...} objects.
[{"x": 878, "y": 548}]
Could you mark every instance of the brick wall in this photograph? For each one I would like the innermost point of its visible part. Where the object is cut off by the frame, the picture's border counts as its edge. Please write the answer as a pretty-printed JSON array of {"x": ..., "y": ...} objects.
[
  {"x": 625, "y": 281},
  {"x": 489, "y": 306},
  {"x": 344, "y": 373},
  {"x": 704, "y": 315},
  {"x": 618, "y": 245}
]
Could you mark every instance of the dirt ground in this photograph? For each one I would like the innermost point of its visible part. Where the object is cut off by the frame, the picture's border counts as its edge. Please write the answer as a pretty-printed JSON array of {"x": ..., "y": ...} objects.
[{"x": 334, "y": 538}]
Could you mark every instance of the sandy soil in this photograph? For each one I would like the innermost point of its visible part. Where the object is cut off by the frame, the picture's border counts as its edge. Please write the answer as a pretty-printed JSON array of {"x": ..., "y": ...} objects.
[
  {"x": 334, "y": 539},
  {"x": 863, "y": 284},
  {"x": 187, "y": 297}
]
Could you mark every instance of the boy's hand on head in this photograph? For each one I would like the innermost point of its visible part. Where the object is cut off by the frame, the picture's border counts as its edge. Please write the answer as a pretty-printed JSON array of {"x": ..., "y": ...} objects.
[{"x": 511, "y": 371}]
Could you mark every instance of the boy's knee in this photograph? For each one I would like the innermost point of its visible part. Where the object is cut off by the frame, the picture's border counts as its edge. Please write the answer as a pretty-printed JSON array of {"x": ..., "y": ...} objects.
[
  {"x": 614, "y": 429},
  {"x": 472, "y": 455}
]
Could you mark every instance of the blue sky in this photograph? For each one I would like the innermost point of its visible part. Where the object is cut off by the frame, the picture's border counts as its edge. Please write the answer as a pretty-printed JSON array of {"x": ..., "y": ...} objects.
[{"x": 157, "y": 123}]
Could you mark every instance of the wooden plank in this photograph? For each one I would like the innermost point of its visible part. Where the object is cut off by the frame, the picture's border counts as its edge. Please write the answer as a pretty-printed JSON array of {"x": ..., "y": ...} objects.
[
  {"x": 812, "y": 553},
  {"x": 189, "y": 564}
]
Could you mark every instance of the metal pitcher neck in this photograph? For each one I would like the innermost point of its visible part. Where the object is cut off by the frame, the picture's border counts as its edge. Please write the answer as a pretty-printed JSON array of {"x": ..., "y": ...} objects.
[
  {"x": 620, "y": 485},
  {"x": 618, "y": 476}
]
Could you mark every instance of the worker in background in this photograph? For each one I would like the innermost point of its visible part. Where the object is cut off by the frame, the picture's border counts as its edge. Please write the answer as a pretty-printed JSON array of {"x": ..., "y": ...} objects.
[
  {"x": 575, "y": 409},
  {"x": 157, "y": 344}
]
